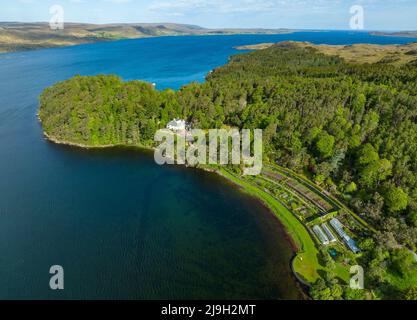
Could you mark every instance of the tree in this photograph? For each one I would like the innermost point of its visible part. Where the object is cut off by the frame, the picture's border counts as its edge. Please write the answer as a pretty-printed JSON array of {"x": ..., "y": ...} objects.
[
  {"x": 352, "y": 294},
  {"x": 396, "y": 199},
  {"x": 374, "y": 172},
  {"x": 374, "y": 207},
  {"x": 410, "y": 294},
  {"x": 367, "y": 244},
  {"x": 326, "y": 290},
  {"x": 351, "y": 187},
  {"x": 412, "y": 217},
  {"x": 320, "y": 291},
  {"x": 367, "y": 155},
  {"x": 325, "y": 144},
  {"x": 402, "y": 261}
]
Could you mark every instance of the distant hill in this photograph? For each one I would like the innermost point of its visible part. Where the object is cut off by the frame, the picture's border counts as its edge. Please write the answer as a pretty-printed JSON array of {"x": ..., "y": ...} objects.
[
  {"x": 357, "y": 53},
  {"x": 411, "y": 34},
  {"x": 15, "y": 36}
]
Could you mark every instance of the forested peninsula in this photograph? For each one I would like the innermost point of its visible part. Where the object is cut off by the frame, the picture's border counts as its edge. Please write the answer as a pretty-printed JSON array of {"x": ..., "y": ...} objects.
[{"x": 346, "y": 130}]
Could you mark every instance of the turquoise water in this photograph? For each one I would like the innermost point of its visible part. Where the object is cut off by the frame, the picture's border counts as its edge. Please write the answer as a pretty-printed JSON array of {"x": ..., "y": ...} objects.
[{"x": 121, "y": 226}]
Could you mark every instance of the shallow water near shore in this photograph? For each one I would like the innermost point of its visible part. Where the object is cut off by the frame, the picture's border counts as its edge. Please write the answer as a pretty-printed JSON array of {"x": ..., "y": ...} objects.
[{"x": 120, "y": 225}]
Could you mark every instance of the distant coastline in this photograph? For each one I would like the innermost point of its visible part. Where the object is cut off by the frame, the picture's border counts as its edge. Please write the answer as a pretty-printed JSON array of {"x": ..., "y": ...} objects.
[
  {"x": 406, "y": 34},
  {"x": 356, "y": 53},
  {"x": 15, "y": 36}
]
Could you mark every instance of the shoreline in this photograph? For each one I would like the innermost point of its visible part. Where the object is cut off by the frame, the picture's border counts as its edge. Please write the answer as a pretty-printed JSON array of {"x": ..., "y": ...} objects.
[
  {"x": 49, "y": 138},
  {"x": 295, "y": 246},
  {"x": 41, "y": 46},
  {"x": 45, "y": 46}
]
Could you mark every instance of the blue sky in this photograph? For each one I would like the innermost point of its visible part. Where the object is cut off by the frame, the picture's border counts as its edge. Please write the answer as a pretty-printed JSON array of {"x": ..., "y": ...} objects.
[{"x": 306, "y": 14}]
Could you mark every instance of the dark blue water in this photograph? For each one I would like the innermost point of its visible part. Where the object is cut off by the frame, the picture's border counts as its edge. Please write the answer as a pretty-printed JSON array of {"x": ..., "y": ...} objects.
[{"x": 121, "y": 226}]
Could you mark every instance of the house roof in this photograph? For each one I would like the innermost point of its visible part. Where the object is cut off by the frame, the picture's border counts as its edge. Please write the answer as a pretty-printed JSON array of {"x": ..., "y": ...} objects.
[{"x": 177, "y": 123}]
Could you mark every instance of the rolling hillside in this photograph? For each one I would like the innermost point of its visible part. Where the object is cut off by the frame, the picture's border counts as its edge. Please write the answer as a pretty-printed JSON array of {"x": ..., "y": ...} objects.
[
  {"x": 357, "y": 53},
  {"x": 16, "y": 36}
]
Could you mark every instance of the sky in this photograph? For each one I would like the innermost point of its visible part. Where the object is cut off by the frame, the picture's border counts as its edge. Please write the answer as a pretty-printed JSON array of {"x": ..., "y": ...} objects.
[{"x": 297, "y": 14}]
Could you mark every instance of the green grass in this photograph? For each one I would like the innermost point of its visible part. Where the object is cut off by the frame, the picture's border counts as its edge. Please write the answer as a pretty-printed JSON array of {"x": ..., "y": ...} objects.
[{"x": 342, "y": 272}]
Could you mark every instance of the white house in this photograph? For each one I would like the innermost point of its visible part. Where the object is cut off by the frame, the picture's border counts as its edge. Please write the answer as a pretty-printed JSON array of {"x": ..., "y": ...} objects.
[{"x": 177, "y": 125}]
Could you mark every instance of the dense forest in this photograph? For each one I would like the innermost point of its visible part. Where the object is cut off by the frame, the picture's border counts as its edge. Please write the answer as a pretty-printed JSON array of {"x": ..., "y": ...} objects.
[{"x": 352, "y": 128}]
